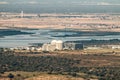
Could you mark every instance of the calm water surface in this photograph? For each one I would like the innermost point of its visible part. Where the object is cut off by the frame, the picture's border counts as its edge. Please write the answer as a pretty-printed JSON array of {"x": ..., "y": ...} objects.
[{"x": 44, "y": 36}]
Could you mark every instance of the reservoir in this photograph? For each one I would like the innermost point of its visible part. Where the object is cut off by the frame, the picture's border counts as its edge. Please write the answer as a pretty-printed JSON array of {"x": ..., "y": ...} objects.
[{"x": 45, "y": 36}]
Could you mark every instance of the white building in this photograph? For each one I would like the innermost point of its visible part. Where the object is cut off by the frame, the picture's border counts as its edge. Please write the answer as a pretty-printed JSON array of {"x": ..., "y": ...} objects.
[
  {"x": 53, "y": 42},
  {"x": 44, "y": 47},
  {"x": 59, "y": 45},
  {"x": 51, "y": 47},
  {"x": 22, "y": 14},
  {"x": 54, "y": 45}
]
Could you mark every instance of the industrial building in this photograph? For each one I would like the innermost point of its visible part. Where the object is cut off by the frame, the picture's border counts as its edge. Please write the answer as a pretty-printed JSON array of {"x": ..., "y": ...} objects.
[
  {"x": 48, "y": 47},
  {"x": 73, "y": 46},
  {"x": 59, "y": 45},
  {"x": 54, "y": 45}
]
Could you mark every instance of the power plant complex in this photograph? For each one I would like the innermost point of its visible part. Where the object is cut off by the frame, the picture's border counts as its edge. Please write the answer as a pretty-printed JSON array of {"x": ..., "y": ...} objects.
[
  {"x": 54, "y": 45},
  {"x": 60, "y": 45}
]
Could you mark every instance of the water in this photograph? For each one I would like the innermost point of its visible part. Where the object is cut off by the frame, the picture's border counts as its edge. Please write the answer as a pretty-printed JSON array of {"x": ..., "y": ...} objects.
[
  {"x": 44, "y": 36},
  {"x": 61, "y": 8}
]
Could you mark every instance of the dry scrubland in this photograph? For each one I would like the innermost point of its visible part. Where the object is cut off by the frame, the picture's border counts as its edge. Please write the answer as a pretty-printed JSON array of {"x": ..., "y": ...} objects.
[
  {"x": 39, "y": 76},
  {"x": 55, "y": 21},
  {"x": 62, "y": 65},
  {"x": 54, "y": 77}
]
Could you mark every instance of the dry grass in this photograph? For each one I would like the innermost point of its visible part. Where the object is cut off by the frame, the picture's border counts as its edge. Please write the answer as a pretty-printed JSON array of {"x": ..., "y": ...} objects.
[
  {"x": 103, "y": 51},
  {"x": 54, "y": 77},
  {"x": 40, "y": 76},
  {"x": 60, "y": 23}
]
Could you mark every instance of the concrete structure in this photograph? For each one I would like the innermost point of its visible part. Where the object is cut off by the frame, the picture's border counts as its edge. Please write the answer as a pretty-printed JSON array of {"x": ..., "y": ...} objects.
[
  {"x": 22, "y": 14},
  {"x": 59, "y": 45},
  {"x": 54, "y": 45},
  {"x": 93, "y": 47},
  {"x": 53, "y": 42},
  {"x": 44, "y": 47},
  {"x": 73, "y": 46},
  {"x": 51, "y": 47},
  {"x": 114, "y": 46},
  {"x": 48, "y": 47}
]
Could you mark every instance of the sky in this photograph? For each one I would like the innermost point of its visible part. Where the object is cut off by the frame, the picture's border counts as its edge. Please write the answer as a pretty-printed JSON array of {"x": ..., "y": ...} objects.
[{"x": 49, "y": 2}]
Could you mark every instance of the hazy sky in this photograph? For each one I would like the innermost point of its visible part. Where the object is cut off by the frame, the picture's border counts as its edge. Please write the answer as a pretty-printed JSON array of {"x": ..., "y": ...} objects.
[{"x": 82, "y": 2}]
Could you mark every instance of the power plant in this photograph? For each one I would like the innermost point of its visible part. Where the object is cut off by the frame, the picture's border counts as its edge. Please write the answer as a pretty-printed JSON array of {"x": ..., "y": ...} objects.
[
  {"x": 54, "y": 45},
  {"x": 60, "y": 45},
  {"x": 73, "y": 46}
]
